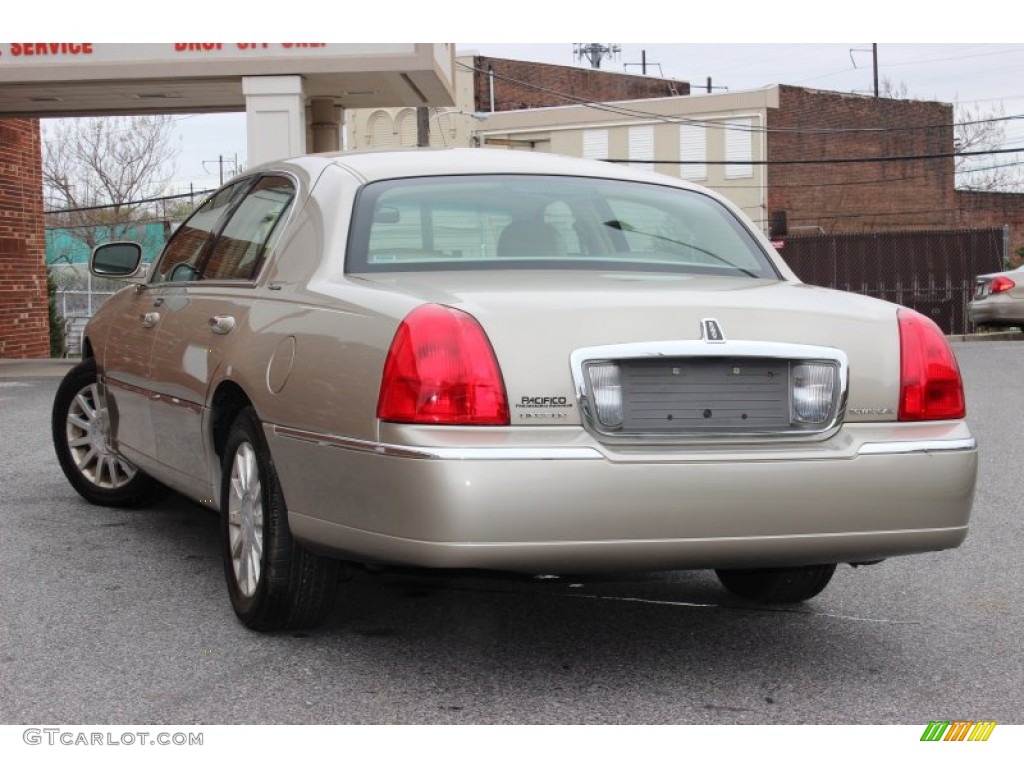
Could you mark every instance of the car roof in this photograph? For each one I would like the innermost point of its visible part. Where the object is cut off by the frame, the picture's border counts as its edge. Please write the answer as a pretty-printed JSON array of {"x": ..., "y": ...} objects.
[{"x": 374, "y": 165}]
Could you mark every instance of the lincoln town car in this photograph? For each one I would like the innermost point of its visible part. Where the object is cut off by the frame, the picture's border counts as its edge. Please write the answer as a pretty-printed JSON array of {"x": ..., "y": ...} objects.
[{"x": 509, "y": 361}]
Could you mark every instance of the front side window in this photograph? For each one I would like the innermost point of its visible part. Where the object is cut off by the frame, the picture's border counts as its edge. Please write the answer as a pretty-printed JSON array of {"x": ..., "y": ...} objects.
[
  {"x": 547, "y": 222},
  {"x": 181, "y": 258}
]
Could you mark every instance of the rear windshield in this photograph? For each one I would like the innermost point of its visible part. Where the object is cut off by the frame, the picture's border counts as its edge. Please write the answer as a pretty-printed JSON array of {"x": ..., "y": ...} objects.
[{"x": 547, "y": 222}]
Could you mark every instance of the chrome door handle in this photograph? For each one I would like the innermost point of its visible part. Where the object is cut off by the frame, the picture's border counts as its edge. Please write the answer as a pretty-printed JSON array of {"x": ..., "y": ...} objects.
[
  {"x": 222, "y": 324},
  {"x": 149, "y": 319}
]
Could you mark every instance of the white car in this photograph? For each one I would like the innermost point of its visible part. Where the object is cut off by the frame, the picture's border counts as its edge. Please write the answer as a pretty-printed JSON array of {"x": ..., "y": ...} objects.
[{"x": 998, "y": 299}]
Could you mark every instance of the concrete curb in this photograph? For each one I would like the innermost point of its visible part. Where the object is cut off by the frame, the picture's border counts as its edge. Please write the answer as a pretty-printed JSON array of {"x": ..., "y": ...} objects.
[
  {"x": 993, "y": 336},
  {"x": 36, "y": 369}
]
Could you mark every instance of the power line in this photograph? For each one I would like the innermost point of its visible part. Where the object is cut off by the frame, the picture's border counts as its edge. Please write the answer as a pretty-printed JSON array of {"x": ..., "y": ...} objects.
[
  {"x": 129, "y": 203},
  {"x": 55, "y": 140},
  {"x": 821, "y": 161},
  {"x": 616, "y": 108}
]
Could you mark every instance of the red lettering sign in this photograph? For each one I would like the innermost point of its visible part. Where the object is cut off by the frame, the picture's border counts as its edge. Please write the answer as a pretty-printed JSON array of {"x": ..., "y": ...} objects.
[
  {"x": 201, "y": 47},
  {"x": 50, "y": 49}
]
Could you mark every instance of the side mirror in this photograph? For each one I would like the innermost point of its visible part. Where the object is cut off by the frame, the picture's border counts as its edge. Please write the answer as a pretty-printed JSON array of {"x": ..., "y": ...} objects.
[
  {"x": 387, "y": 215},
  {"x": 120, "y": 260}
]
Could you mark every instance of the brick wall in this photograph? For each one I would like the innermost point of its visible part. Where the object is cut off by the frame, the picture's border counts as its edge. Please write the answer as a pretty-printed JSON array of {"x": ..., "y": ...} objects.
[
  {"x": 860, "y": 197},
  {"x": 994, "y": 209},
  {"x": 589, "y": 84},
  {"x": 24, "y": 321}
]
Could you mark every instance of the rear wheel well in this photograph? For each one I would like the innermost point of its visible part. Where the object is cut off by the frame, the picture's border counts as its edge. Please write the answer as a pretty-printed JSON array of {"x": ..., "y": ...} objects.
[{"x": 228, "y": 401}]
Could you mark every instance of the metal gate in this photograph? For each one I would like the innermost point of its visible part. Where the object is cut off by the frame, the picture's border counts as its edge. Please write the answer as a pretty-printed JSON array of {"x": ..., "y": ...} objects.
[{"x": 930, "y": 271}]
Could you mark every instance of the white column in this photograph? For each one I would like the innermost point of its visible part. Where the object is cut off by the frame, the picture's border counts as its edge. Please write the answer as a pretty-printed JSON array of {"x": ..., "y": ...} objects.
[{"x": 275, "y": 113}]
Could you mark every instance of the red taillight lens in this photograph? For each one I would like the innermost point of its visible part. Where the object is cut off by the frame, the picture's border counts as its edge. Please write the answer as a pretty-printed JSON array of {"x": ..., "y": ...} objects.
[
  {"x": 1000, "y": 284},
  {"x": 930, "y": 384},
  {"x": 441, "y": 369}
]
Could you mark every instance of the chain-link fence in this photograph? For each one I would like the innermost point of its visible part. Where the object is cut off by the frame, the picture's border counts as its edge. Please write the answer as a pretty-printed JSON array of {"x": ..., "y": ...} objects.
[
  {"x": 932, "y": 272},
  {"x": 79, "y": 295}
]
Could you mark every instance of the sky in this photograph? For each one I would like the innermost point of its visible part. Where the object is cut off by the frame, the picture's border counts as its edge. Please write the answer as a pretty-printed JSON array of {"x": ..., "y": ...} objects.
[
  {"x": 978, "y": 76},
  {"x": 741, "y": 45}
]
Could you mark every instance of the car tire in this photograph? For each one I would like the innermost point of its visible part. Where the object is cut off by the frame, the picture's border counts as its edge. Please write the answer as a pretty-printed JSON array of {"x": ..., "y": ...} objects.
[
  {"x": 274, "y": 583},
  {"x": 81, "y": 439},
  {"x": 777, "y": 585}
]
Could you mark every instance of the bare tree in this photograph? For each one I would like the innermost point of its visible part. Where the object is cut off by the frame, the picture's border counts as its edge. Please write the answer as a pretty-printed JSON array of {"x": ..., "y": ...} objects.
[
  {"x": 889, "y": 89},
  {"x": 977, "y": 129},
  {"x": 105, "y": 166}
]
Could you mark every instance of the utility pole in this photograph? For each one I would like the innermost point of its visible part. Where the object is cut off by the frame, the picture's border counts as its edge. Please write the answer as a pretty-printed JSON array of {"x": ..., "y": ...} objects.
[
  {"x": 874, "y": 61},
  {"x": 595, "y": 52},
  {"x": 643, "y": 64},
  {"x": 422, "y": 126},
  {"x": 220, "y": 164}
]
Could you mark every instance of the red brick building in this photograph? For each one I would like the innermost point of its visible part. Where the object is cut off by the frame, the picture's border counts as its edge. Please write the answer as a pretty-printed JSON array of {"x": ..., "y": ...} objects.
[
  {"x": 515, "y": 85},
  {"x": 910, "y": 187},
  {"x": 24, "y": 319},
  {"x": 863, "y": 195},
  {"x": 993, "y": 209}
]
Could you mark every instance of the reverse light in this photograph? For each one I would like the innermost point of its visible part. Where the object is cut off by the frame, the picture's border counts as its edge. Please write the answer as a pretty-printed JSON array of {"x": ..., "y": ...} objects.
[
  {"x": 1001, "y": 284},
  {"x": 814, "y": 387},
  {"x": 930, "y": 383},
  {"x": 607, "y": 393},
  {"x": 441, "y": 369}
]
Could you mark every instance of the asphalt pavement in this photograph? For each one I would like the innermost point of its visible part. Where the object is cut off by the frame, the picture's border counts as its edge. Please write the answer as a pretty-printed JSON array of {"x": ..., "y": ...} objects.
[{"x": 121, "y": 616}]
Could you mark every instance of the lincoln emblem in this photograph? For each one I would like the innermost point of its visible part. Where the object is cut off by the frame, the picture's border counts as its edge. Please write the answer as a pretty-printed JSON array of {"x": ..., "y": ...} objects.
[{"x": 712, "y": 331}]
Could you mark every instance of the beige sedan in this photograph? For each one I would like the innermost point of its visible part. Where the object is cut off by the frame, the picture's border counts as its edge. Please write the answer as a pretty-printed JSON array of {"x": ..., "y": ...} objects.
[{"x": 516, "y": 361}]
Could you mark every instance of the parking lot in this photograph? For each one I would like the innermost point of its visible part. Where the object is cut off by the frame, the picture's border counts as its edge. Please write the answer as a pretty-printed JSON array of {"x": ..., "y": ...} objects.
[{"x": 121, "y": 616}]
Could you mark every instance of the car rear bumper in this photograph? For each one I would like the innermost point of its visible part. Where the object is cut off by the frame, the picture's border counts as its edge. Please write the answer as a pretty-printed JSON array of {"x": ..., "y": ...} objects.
[
  {"x": 994, "y": 311},
  {"x": 575, "y": 508}
]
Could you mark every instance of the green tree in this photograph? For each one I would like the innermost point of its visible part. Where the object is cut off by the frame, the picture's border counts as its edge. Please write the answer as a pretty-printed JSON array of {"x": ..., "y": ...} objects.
[{"x": 57, "y": 345}]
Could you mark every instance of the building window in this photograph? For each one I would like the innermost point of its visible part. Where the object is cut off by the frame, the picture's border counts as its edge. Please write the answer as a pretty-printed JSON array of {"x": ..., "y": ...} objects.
[
  {"x": 693, "y": 152},
  {"x": 595, "y": 145},
  {"x": 739, "y": 148},
  {"x": 641, "y": 146},
  {"x": 378, "y": 129},
  {"x": 405, "y": 127}
]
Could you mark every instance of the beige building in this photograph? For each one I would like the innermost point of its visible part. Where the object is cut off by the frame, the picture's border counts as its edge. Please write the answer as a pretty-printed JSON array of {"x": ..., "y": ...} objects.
[
  {"x": 388, "y": 128},
  {"x": 688, "y": 136},
  {"x": 681, "y": 133}
]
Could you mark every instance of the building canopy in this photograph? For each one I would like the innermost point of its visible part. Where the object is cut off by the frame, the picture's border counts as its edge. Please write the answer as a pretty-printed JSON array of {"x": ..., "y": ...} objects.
[{"x": 77, "y": 79}]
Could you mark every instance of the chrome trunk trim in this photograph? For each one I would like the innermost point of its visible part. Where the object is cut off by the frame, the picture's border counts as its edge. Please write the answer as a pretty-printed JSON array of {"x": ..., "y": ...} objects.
[
  {"x": 435, "y": 453},
  {"x": 703, "y": 349},
  {"x": 917, "y": 446}
]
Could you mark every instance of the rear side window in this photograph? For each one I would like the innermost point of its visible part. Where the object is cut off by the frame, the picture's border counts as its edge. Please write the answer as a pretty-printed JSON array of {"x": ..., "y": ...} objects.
[
  {"x": 547, "y": 222},
  {"x": 243, "y": 245}
]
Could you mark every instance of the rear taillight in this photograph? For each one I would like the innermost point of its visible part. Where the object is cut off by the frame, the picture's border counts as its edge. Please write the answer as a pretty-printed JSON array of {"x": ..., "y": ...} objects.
[
  {"x": 930, "y": 384},
  {"x": 1000, "y": 284},
  {"x": 441, "y": 369}
]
